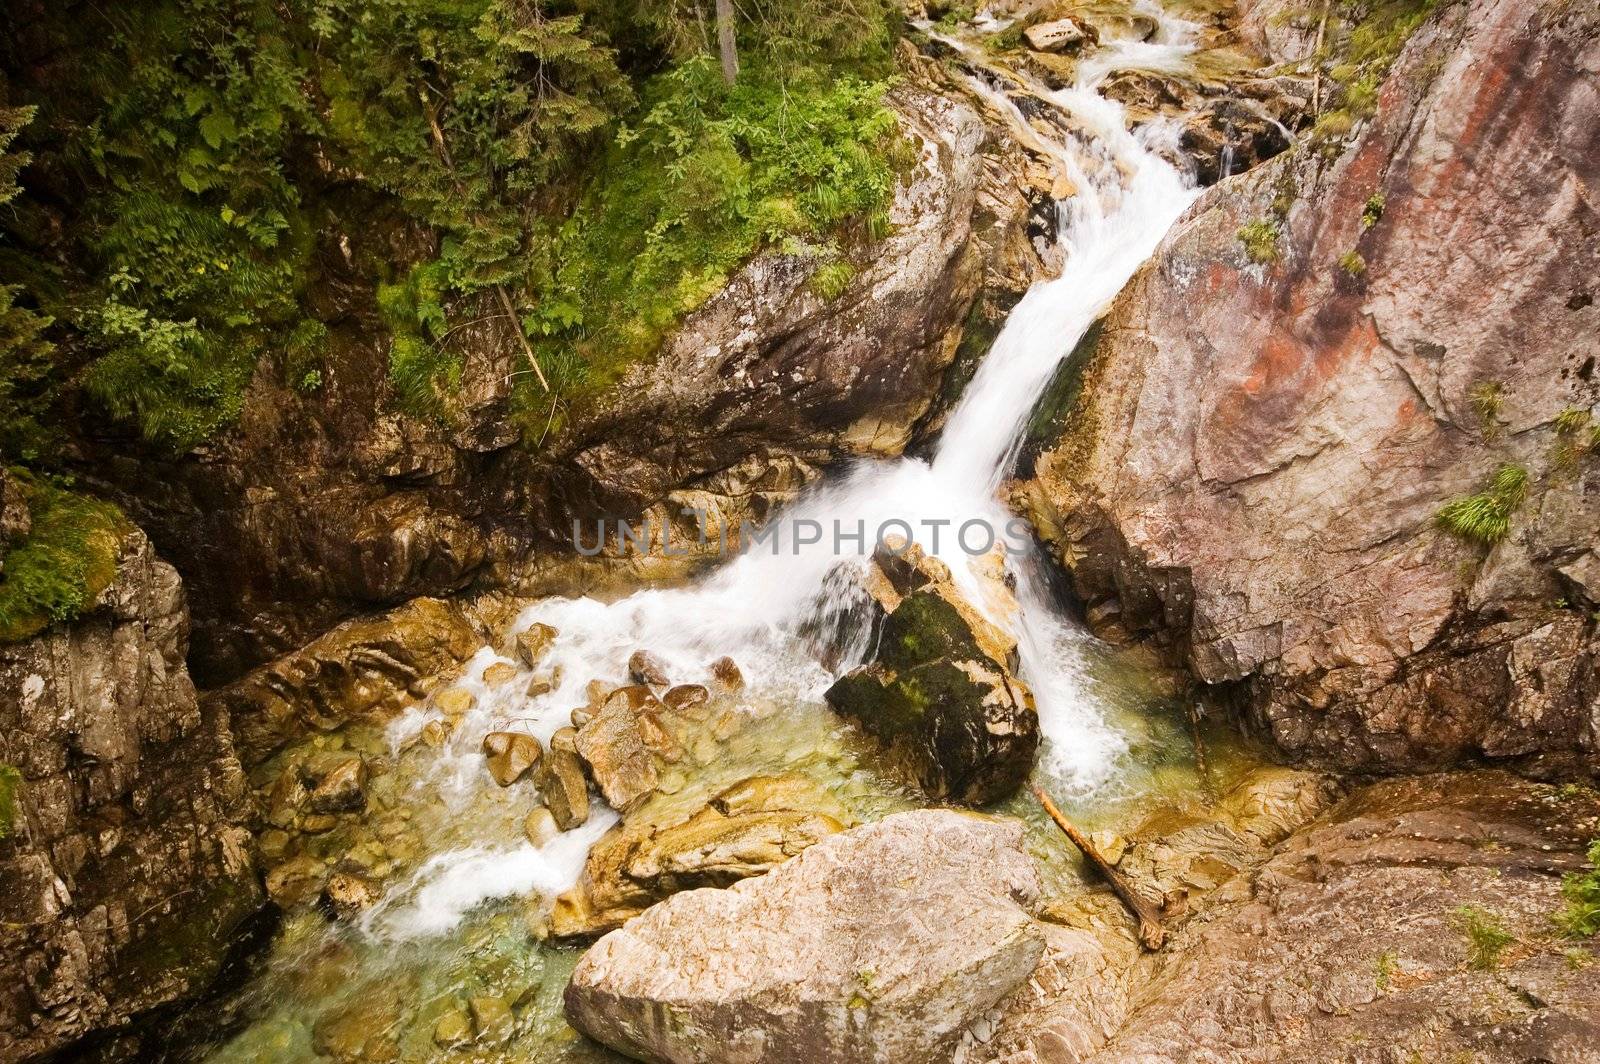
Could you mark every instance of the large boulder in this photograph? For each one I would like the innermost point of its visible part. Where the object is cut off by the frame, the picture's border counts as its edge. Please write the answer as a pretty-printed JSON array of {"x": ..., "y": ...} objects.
[
  {"x": 879, "y": 944},
  {"x": 1276, "y": 411},
  {"x": 127, "y": 870},
  {"x": 940, "y": 694},
  {"x": 745, "y": 830}
]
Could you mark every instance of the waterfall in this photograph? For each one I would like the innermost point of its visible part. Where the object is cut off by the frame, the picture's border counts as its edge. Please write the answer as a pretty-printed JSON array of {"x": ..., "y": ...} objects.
[{"x": 760, "y": 606}]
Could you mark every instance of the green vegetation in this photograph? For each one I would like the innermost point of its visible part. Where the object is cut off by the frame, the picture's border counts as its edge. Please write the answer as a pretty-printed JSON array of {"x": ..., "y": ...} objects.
[
  {"x": 1486, "y": 937},
  {"x": 10, "y": 791},
  {"x": 704, "y": 177},
  {"x": 955, "y": 15},
  {"x": 1576, "y": 438},
  {"x": 832, "y": 278},
  {"x": 1386, "y": 966},
  {"x": 1352, "y": 263},
  {"x": 1373, "y": 211},
  {"x": 1260, "y": 239},
  {"x": 578, "y": 161},
  {"x": 1362, "y": 41},
  {"x": 26, "y": 365},
  {"x": 1580, "y": 918},
  {"x": 61, "y": 566},
  {"x": 1486, "y": 398},
  {"x": 1485, "y": 517},
  {"x": 1571, "y": 421}
]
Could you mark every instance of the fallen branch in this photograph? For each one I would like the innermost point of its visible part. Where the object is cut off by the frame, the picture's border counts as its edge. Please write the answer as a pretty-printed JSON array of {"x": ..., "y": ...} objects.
[
  {"x": 516, "y": 327},
  {"x": 1151, "y": 934}
]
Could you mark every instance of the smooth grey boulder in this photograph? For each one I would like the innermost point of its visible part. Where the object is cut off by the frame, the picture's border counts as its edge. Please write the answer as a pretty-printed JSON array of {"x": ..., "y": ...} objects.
[{"x": 877, "y": 944}]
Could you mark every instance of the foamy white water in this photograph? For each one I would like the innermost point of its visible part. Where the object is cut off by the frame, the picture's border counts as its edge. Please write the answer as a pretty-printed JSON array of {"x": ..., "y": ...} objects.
[{"x": 771, "y": 610}]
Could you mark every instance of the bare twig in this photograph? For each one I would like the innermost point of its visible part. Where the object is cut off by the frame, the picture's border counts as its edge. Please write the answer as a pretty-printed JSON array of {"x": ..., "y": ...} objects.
[
  {"x": 1151, "y": 934},
  {"x": 516, "y": 327},
  {"x": 1316, "y": 60}
]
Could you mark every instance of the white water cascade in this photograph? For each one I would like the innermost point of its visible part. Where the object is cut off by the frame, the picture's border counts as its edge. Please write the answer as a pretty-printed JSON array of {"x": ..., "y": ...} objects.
[{"x": 756, "y": 606}]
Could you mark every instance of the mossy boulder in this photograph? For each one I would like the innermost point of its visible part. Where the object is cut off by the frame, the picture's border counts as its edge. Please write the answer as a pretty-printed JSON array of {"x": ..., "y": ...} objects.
[{"x": 952, "y": 717}]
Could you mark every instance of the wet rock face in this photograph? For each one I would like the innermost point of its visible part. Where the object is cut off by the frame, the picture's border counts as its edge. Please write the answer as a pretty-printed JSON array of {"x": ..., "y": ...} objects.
[
  {"x": 619, "y": 745},
  {"x": 940, "y": 693},
  {"x": 878, "y": 944},
  {"x": 368, "y": 668},
  {"x": 1223, "y": 129},
  {"x": 127, "y": 868},
  {"x": 1259, "y": 451},
  {"x": 747, "y": 829}
]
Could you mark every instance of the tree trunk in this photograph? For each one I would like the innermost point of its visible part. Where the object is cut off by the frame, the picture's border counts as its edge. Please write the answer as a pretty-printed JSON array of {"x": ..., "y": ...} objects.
[{"x": 725, "y": 44}]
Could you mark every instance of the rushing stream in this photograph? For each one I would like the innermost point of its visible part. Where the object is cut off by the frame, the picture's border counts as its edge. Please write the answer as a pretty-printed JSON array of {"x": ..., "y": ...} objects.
[{"x": 451, "y": 921}]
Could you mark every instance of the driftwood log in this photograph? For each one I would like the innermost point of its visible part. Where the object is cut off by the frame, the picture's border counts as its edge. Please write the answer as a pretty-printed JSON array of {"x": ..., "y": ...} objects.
[{"x": 1151, "y": 934}]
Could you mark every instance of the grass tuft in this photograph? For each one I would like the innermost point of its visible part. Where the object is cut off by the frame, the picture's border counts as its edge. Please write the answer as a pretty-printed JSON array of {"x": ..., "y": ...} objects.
[
  {"x": 1487, "y": 398},
  {"x": 1486, "y": 937},
  {"x": 1486, "y": 516},
  {"x": 832, "y": 279},
  {"x": 1372, "y": 213},
  {"x": 1260, "y": 240},
  {"x": 10, "y": 786},
  {"x": 1580, "y": 917}
]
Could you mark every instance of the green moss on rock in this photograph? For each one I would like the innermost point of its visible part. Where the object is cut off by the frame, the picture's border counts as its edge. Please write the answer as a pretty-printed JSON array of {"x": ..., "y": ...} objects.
[
  {"x": 10, "y": 792},
  {"x": 67, "y": 559},
  {"x": 952, "y": 720}
]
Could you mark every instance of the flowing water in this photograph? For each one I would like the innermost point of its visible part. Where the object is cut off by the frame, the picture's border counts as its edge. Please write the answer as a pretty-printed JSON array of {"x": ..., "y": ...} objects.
[{"x": 451, "y": 923}]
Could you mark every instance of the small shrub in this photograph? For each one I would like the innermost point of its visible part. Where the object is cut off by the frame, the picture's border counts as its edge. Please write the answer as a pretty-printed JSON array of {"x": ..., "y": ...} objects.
[
  {"x": 1352, "y": 263},
  {"x": 956, "y": 15},
  {"x": 1486, "y": 937},
  {"x": 1486, "y": 516},
  {"x": 1260, "y": 240},
  {"x": 303, "y": 355},
  {"x": 1580, "y": 918},
  {"x": 1373, "y": 211}
]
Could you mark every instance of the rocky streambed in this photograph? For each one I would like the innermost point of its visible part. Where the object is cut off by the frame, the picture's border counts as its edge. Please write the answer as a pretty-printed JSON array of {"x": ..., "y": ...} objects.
[{"x": 435, "y": 906}]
